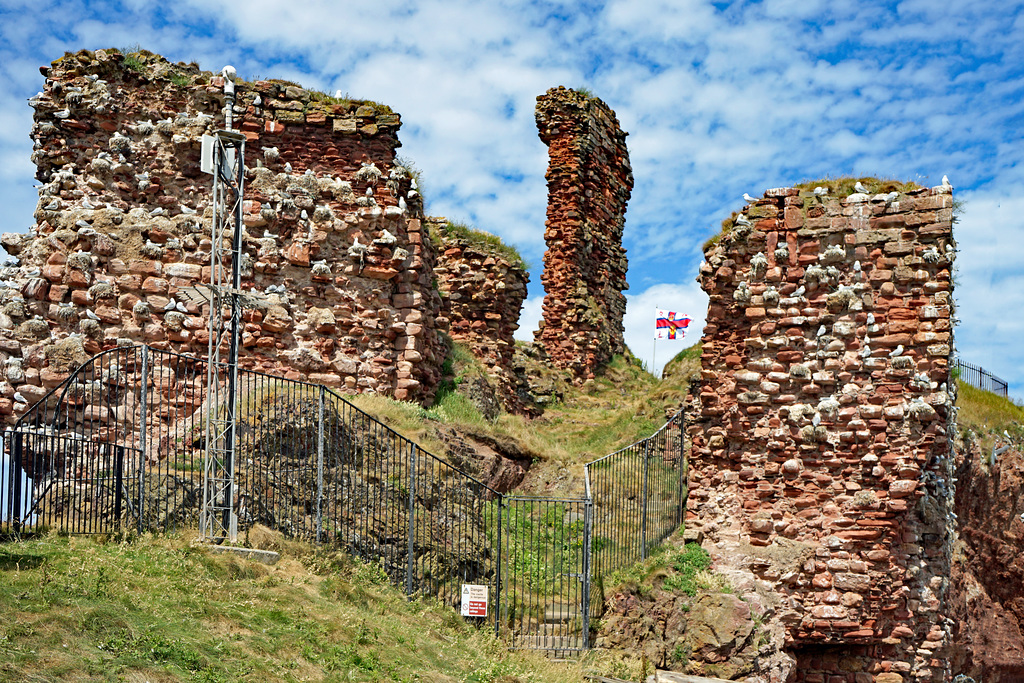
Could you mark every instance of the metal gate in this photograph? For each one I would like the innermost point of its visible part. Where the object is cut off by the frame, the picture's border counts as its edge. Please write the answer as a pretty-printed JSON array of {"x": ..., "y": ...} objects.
[{"x": 546, "y": 593}]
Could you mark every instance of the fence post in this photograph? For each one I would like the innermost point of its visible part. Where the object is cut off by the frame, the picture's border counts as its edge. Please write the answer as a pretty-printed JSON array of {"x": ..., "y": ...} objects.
[
  {"x": 588, "y": 516},
  {"x": 118, "y": 483},
  {"x": 411, "y": 549},
  {"x": 497, "y": 580},
  {"x": 16, "y": 470},
  {"x": 643, "y": 504},
  {"x": 681, "y": 495},
  {"x": 320, "y": 466},
  {"x": 144, "y": 388}
]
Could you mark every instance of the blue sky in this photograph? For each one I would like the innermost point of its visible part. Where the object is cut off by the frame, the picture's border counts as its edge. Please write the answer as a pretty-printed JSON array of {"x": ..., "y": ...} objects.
[{"x": 718, "y": 99}]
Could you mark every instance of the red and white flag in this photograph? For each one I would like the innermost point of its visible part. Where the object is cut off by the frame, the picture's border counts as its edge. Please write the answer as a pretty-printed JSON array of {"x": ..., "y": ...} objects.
[{"x": 667, "y": 323}]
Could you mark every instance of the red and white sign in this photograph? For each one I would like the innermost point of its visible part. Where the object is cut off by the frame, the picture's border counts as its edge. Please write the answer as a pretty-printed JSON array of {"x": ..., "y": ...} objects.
[{"x": 474, "y": 600}]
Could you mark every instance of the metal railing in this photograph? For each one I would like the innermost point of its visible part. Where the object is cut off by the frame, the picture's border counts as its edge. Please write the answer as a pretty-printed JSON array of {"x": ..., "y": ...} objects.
[
  {"x": 978, "y": 377},
  {"x": 119, "y": 445}
]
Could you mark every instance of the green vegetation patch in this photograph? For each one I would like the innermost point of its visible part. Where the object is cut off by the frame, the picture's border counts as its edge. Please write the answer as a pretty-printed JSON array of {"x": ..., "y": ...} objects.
[
  {"x": 157, "y": 608},
  {"x": 984, "y": 416}
]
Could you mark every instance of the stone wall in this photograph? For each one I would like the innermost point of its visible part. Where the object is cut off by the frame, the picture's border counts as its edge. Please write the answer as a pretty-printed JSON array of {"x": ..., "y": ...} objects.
[
  {"x": 483, "y": 291},
  {"x": 333, "y": 238},
  {"x": 821, "y": 431},
  {"x": 589, "y": 184}
]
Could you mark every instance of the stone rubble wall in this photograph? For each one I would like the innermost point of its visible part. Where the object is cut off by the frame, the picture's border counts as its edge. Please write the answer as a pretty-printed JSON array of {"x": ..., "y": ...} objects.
[
  {"x": 822, "y": 425},
  {"x": 123, "y": 223},
  {"x": 483, "y": 296},
  {"x": 589, "y": 184}
]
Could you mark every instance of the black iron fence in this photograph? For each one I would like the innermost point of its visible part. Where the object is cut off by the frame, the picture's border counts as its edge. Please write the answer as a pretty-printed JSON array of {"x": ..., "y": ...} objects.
[
  {"x": 120, "y": 445},
  {"x": 978, "y": 377}
]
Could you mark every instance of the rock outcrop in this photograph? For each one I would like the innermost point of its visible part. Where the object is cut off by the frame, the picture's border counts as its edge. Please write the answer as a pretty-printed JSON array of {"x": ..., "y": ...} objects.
[
  {"x": 589, "y": 184},
  {"x": 823, "y": 418},
  {"x": 987, "y": 582}
]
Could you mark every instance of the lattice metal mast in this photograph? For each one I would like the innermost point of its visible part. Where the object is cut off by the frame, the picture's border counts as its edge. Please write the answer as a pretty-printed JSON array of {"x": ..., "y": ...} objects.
[{"x": 218, "y": 520}]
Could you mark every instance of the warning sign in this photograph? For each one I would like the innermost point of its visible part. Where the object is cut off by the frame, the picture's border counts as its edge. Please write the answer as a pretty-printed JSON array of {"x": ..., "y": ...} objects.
[{"x": 474, "y": 600}]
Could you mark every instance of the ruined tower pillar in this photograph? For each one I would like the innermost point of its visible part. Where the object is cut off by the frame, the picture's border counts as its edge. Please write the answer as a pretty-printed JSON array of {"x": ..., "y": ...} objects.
[
  {"x": 589, "y": 184},
  {"x": 821, "y": 435}
]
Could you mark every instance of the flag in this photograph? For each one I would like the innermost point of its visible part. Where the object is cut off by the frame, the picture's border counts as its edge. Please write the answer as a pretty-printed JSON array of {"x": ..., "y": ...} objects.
[{"x": 667, "y": 323}]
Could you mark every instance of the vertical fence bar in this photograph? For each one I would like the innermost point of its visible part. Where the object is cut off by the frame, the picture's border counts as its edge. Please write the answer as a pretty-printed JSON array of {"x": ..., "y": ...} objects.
[
  {"x": 588, "y": 516},
  {"x": 118, "y": 482},
  {"x": 411, "y": 536},
  {"x": 497, "y": 579},
  {"x": 643, "y": 503},
  {"x": 320, "y": 464},
  {"x": 144, "y": 388},
  {"x": 16, "y": 469}
]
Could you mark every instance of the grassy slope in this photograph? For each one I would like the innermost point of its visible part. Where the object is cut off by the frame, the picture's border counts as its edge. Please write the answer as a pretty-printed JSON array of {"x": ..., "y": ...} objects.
[
  {"x": 984, "y": 417},
  {"x": 158, "y": 609},
  {"x": 624, "y": 404}
]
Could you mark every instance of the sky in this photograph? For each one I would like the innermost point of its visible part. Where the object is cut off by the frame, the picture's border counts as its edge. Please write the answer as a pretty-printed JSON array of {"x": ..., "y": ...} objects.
[{"x": 718, "y": 98}]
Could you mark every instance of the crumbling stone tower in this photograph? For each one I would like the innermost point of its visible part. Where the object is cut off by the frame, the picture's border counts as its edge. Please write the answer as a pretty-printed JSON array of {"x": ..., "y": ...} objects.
[
  {"x": 333, "y": 235},
  {"x": 589, "y": 184},
  {"x": 821, "y": 435}
]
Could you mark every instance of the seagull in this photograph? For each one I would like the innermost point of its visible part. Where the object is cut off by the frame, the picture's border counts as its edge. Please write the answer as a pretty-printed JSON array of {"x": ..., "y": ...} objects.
[
  {"x": 799, "y": 291},
  {"x": 357, "y": 249},
  {"x": 86, "y": 204},
  {"x": 871, "y": 318},
  {"x": 369, "y": 191},
  {"x": 188, "y": 211},
  {"x": 747, "y": 198},
  {"x": 865, "y": 352},
  {"x": 945, "y": 181},
  {"x": 181, "y": 307},
  {"x": 821, "y": 331},
  {"x": 742, "y": 220},
  {"x": 170, "y": 305},
  {"x": 19, "y": 398},
  {"x": 891, "y": 197},
  {"x": 859, "y": 187},
  {"x": 268, "y": 236},
  {"x": 820, "y": 190},
  {"x": 304, "y": 216},
  {"x": 257, "y": 101},
  {"x": 287, "y": 167},
  {"x": 413, "y": 185},
  {"x": 338, "y": 94},
  {"x": 896, "y": 352},
  {"x": 816, "y": 420},
  {"x": 401, "y": 204},
  {"x": 89, "y": 314}
]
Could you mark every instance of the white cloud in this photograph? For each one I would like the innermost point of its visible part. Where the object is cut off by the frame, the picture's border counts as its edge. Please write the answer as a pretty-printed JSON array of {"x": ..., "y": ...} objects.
[{"x": 717, "y": 99}]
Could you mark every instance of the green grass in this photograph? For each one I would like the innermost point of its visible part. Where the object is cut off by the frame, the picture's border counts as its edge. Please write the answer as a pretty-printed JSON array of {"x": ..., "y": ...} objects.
[
  {"x": 984, "y": 416},
  {"x": 843, "y": 186},
  {"x": 160, "y": 609}
]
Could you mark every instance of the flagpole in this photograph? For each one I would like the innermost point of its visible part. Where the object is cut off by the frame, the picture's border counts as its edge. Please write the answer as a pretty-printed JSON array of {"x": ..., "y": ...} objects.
[{"x": 654, "y": 351}]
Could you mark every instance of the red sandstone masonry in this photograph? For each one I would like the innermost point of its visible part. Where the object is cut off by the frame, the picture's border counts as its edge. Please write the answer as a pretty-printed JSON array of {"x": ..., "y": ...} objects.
[
  {"x": 123, "y": 224},
  {"x": 484, "y": 295},
  {"x": 589, "y": 184},
  {"x": 821, "y": 428}
]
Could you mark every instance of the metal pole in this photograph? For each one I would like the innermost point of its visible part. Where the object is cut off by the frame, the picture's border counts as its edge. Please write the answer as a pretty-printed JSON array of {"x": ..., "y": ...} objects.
[
  {"x": 16, "y": 472},
  {"x": 144, "y": 388},
  {"x": 588, "y": 515},
  {"x": 411, "y": 549},
  {"x": 118, "y": 483},
  {"x": 643, "y": 505},
  {"x": 320, "y": 467},
  {"x": 497, "y": 579}
]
